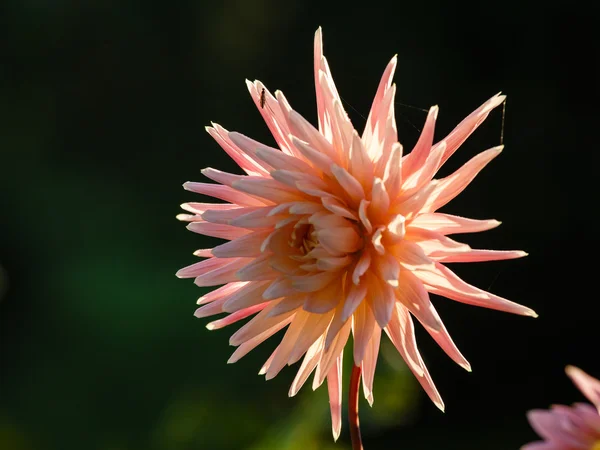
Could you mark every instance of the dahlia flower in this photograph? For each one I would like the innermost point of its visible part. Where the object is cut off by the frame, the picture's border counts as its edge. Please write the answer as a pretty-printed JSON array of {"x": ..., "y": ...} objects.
[
  {"x": 335, "y": 233},
  {"x": 570, "y": 428}
]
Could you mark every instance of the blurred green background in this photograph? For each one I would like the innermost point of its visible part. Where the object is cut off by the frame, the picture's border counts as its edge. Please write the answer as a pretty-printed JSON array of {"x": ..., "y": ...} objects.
[{"x": 102, "y": 112}]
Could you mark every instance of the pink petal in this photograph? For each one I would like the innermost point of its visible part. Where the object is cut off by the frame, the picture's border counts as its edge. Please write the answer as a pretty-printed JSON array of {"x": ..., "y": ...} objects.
[
  {"x": 318, "y": 159},
  {"x": 392, "y": 176},
  {"x": 272, "y": 115},
  {"x": 356, "y": 294},
  {"x": 588, "y": 385},
  {"x": 449, "y": 224},
  {"x": 359, "y": 162},
  {"x": 325, "y": 299},
  {"x": 464, "y": 129},
  {"x": 221, "y": 275},
  {"x": 248, "y": 295},
  {"x": 351, "y": 185},
  {"x": 199, "y": 208},
  {"x": 261, "y": 218},
  {"x": 368, "y": 364},
  {"x": 223, "y": 291},
  {"x": 310, "y": 361},
  {"x": 226, "y": 216},
  {"x": 225, "y": 193},
  {"x": 382, "y": 299},
  {"x": 257, "y": 270},
  {"x": 249, "y": 164},
  {"x": 363, "y": 327},
  {"x": 318, "y": 56},
  {"x": 314, "y": 329},
  {"x": 448, "y": 188},
  {"x": 334, "y": 388},
  {"x": 442, "y": 281},
  {"x": 217, "y": 230},
  {"x": 374, "y": 114},
  {"x": 279, "y": 160},
  {"x": 281, "y": 356},
  {"x": 550, "y": 426},
  {"x": 417, "y": 179},
  {"x": 477, "y": 255},
  {"x": 267, "y": 188},
  {"x": 205, "y": 266},
  {"x": 288, "y": 304},
  {"x": 221, "y": 177},
  {"x": 417, "y": 157},
  {"x": 415, "y": 298},
  {"x": 258, "y": 324},
  {"x": 247, "y": 245},
  {"x": 258, "y": 339},
  {"x": 304, "y": 131},
  {"x": 401, "y": 332},
  {"x": 380, "y": 200},
  {"x": 210, "y": 309},
  {"x": 236, "y": 316},
  {"x": 331, "y": 355}
]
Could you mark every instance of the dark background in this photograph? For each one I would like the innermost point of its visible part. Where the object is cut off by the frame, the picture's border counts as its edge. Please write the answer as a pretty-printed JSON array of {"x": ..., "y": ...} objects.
[{"x": 102, "y": 110}]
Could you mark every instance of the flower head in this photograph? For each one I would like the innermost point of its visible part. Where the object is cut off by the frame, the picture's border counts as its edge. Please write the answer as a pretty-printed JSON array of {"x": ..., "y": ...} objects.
[
  {"x": 570, "y": 428},
  {"x": 335, "y": 233}
]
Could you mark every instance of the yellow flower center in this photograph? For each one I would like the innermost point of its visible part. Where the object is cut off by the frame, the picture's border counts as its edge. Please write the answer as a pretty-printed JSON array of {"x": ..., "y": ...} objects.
[{"x": 596, "y": 446}]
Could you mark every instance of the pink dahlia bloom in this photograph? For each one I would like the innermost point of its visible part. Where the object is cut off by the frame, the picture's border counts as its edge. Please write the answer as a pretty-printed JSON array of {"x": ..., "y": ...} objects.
[
  {"x": 335, "y": 233},
  {"x": 570, "y": 428}
]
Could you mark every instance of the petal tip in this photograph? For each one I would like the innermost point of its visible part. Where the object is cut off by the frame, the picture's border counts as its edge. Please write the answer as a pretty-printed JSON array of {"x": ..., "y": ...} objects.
[{"x": 530, "y": 313}]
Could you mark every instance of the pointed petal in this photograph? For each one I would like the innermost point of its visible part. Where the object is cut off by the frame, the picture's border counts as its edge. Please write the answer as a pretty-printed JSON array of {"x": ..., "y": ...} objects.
[
  {"x": 449, "y": 224},
  {"x": 248, "y": 295},
  {"x": 589, "y": 386},
  {"x": 477, "y": 255},
  {"x": 258, "y": 339},
  {"x": 363, "y": 327},
  {"x": 415, "y": 298},
  {"x": 442, "y": 281},
  {"x": 224, "y": 291},
  {"x": 268, "y": 189},
  {"x": 417, "y": 157},
  {"x": 236, "y": 316},
  {"x": 258, "y": 324},
  {"x": 246, "y": 161},
  {"x": 247, "y": 245},
  {"x": 369, "y": 363},
  {"x": 464, "y": 129},
  {"x": 448, "y": 188},
  {"x": 225, "y": 193},
  {"x": 325, "y": 299},
  {"x": 334, "y": 388},
  {"x": 310, "y": 361}
]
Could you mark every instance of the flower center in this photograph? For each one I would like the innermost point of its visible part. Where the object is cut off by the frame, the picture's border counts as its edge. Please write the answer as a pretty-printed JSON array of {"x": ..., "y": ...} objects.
[
  {"x": 304, "y": 238},
  {"x": 596, "y": 446},
  {"x": 309, "y": 241}
]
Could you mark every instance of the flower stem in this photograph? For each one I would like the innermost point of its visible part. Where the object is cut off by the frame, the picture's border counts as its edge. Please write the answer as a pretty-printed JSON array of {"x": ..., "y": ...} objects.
[{"x": 353, "y": 409}]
